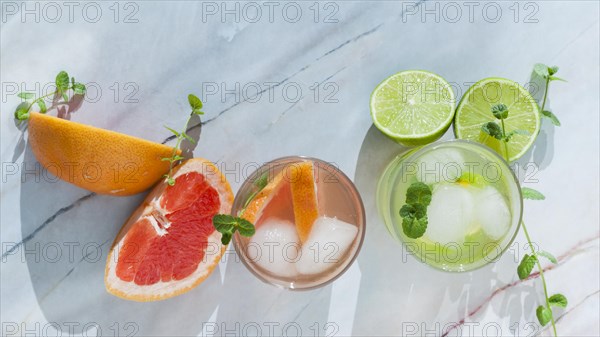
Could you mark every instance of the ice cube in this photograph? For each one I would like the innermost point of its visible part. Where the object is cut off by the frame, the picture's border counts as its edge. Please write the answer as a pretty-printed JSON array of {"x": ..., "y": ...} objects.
[
  {"x": 275, "y": 247},
  {"x": 492, "y": 212},
  {"x": 328, "y": 241},
  {"x": 443, "y": 165},
  {"x": 450, "y": 214}
]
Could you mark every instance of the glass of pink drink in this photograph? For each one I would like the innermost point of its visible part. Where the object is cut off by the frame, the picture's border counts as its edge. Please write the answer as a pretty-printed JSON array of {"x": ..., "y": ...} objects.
[{"x": 309, "y": 219}]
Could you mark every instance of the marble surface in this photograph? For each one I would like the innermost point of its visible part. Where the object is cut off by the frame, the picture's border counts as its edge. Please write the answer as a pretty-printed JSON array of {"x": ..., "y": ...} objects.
[{"x": 287, "y": 84}]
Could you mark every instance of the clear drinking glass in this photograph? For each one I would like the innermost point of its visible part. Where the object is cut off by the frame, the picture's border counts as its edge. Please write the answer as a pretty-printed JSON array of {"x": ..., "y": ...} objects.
[
  {"x": 476, "y": 209},
  {"x": 337, "y": 198}
]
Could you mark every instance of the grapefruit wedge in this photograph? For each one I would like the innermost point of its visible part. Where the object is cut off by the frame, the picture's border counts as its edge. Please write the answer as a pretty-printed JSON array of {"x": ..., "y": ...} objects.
[
  {"x": 169, "y": 245},
  {"x": 101, "y": 161},
  {"x": 256, "y": 206},
  {"x": 304, "y": 197}
]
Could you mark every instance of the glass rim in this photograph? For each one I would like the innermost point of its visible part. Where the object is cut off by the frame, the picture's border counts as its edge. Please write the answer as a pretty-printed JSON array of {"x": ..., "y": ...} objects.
[
  {"x": 353, "y": 190},
  {"x": 431, "y": 146}
]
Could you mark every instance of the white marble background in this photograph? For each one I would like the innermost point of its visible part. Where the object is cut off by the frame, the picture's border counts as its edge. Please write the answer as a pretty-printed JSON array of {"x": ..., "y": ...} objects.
[{"x": 145, "y": 57}]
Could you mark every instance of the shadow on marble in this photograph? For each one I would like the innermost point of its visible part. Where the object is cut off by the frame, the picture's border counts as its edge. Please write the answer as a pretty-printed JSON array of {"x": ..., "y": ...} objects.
[
  {"x": 21, "y": 142},
  {"x": 518, "y": 302},
  {"x": 423, "y": 295},
  {"x": 65, "y": 110},
  {"x": 542, "y": 151},
  {"x": 187, "y": 148},
  {"x": 66, "y": 255}
]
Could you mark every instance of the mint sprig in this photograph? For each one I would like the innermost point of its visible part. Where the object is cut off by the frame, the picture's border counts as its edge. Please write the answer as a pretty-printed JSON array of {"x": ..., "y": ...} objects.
[
  {"x": 227, "y": 225},
  {"x": 530, "y": 261},
  {"x": 498, "y": 131},
  {"x": 543, "y": 312},
  {"x": 500, "y": 111},
  {"x": 547, "y": 73},
  {"x": 196, "y": 105},
  {"x": 63, "y": 84},
  {"x": 259, "y": 184},
  {"x": 414, "y": 212}
]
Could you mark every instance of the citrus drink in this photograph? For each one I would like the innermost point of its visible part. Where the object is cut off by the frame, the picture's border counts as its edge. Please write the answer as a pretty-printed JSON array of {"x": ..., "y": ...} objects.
[
  {"x": 475, "y": 206},
  {"x": 309, "y": 222}
]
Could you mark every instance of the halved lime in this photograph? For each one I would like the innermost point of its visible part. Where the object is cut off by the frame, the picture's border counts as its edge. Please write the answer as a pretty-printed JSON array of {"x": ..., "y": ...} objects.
[
  {"x": 475, "y": 109},
  {"x": 413, "y": 107}
]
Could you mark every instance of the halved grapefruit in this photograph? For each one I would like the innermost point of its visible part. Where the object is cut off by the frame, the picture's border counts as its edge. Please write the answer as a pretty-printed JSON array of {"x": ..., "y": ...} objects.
[{"x": 169, "y": 245}]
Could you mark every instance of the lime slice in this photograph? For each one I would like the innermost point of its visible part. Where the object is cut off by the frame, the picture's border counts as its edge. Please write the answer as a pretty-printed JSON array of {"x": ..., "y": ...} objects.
[
  {"x": 474, "y": 110},
  {"x": 413, "y": 107}
]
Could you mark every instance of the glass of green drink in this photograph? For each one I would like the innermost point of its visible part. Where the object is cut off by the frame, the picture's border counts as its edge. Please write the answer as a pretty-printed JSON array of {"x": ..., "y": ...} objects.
[{"x": 475, "y": 208}]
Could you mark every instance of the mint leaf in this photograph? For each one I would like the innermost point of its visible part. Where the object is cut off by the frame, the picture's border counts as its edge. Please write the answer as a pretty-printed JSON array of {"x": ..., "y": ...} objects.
[
  {"x": 26, "y": 95},
  {"x": 420, "y": 211},
  {"x": 552, "y": 117},
  {"x": 245, "y": 227},
  {"x": 544, "y": 315},
  {"x": 554, "y": 78},
  {"x": 226, "y": 238},
  {"x": 414, "y": 228},
  {"x": 526, "y": 266},
  {"x": 262, "y": 181},
  {"x": 62, "y": 81},
  {"x": 195, "y": 102},
  {"x": 414, "y": 212},
  {"x": 418, "y": 193},
  {"x": 227, "y": 225},
  {"x": 407, "y": 211},
  {"x": 22, "y": 112},
  {"x": 542, "y": 70},
  {"x": 558, "y": 300},
  {"x": 190, "y": 139},
  {"x": 500, "y": 111},
  {"x": 417, "y": 211},
  {"x": 531, "y": 194},
  {"x": 548, "y": 256},
  {"x": 224, "y": 222},
  {"x": 42, "y": 105},
  {"x": 173, "y": 131},
  {"x": 552, "y": 70},
  {"x": 79, "y": 89},
  {"x": 492, "y": 129}
]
